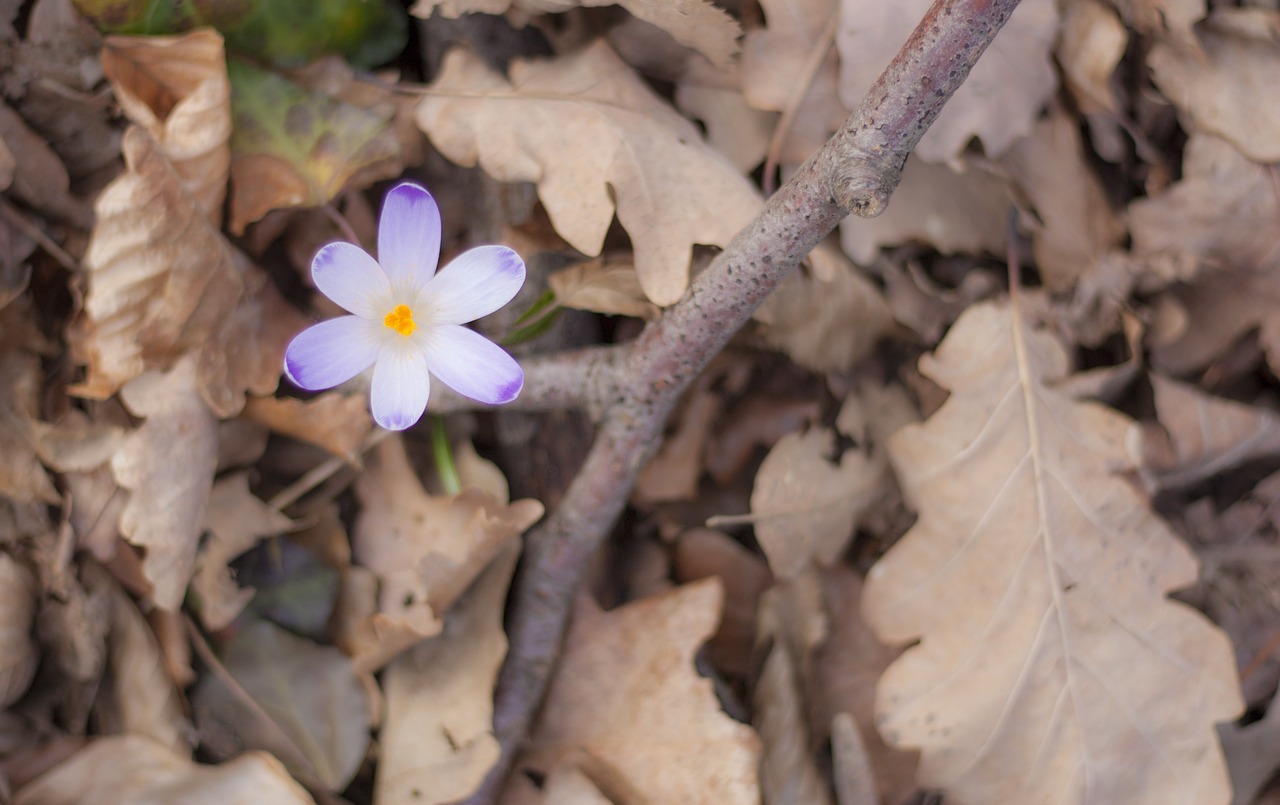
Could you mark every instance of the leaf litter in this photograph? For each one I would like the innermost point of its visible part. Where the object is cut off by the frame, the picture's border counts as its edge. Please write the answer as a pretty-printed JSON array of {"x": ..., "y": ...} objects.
[{"x": 217, "y": 588}]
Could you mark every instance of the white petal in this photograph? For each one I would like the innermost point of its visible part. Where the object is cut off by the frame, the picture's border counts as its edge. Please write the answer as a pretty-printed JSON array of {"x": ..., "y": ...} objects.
[
  {"x": 350, "y": 277},
  {"x": 472, "y": 365},
  {"x": 400, "y": 386},
  {"x": 477, "y": 283},
  {"x": 330, "y": 353},
  {"x": 409, "y": 236}
]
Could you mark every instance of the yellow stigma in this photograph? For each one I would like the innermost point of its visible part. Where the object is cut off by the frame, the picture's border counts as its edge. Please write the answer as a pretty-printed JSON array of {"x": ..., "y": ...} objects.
[{"x": 401, "y": 320}]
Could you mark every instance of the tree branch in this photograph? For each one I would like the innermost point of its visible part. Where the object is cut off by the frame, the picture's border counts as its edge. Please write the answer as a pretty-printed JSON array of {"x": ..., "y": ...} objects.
[{"x": 855, "y": 172}]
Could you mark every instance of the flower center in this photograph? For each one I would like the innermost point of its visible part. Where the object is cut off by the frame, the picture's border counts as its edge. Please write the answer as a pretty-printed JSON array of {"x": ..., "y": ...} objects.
[{"x": 401, "y": 320}]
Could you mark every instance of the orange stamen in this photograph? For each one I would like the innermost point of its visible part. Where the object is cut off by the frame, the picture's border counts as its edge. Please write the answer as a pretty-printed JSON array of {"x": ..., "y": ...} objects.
[{"x": 401, "y": 320}]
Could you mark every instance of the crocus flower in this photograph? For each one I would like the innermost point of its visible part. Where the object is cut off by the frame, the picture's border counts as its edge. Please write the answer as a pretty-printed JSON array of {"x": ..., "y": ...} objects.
[{"x": 407, "y": 319}]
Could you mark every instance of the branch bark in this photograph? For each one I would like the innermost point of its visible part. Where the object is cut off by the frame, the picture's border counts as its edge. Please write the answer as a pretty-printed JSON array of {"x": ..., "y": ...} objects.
[{"x": 855, "y": 172}]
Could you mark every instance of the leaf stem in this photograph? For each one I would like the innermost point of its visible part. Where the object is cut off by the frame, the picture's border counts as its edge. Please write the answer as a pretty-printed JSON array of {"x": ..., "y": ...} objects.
[{"x": 442, "y": 452}]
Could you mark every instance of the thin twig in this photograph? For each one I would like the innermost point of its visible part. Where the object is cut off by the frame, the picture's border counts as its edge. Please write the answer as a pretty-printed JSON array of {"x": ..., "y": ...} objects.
[{"x": 855, "y": 172}]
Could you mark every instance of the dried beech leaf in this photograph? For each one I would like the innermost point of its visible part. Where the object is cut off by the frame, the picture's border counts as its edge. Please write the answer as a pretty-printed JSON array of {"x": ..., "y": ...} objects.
[
  {"x": 1218, "y": 88},
  {"x": 594, "y": 137},
  {"x": 337, "y": 422},
  {"x": 146, "y": 697},
  {"x": 698, "y": 24},
  {"x": 627, "y": 696},
  {"x": 776, "y": 57},
  {"x": 805, "y": 506},
  {"x": 316, "y": 708},
  {"x": 603, "y": 286},
  {"x": 437, "y": 742},
  {"x": 1063, "y": 673},
  {"x": 176, "y": 88},
  {"x": 236, "y": 520},
  {"x": 1199, "y": 436},
  {"x": 997, "y": 103},
  {"x": 18, "y": 655},
  {"x": 137, "y": 770},
  {"x": 425, "y": 550},
  {"x": 169, "y": 488}
]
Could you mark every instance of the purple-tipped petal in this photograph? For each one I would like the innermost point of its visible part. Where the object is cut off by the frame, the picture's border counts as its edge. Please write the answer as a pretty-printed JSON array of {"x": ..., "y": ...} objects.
[
  {"x": 350, "y": 277},
  {"x": 330, "y": 353},
  {"x": 401, "y": 386},
  {"x": 472, "y": 365},
  {"x": 477, "y": 283},
  {"x": 409, "y": 235}
]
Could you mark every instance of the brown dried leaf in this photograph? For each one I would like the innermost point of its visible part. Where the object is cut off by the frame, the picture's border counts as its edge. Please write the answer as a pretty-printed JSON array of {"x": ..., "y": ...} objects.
[
  {"x": 137, "y": 770},
  {"x": 316, "y": 708},
  {"x": 1092, "y": 42},
  {"x": 18, "y": 655},
  {"x": 437, "y": 742},
  {"x": 22, "y": 478},
  {"x": 176, "y": 88},
  {"x": 337, "y": 422},
  {"x": 674, "y": 471},
  {"x": 627, "y": 700},
  {"x": 804, "y": 506},
  {"x": 998, "y": 102},
  {"x": 1220, "y": 308},
  {"x": 236, "y": 520},
  {"x": 595, "y": 138},
  {"x": 425, "y": 550},
  {"x": 169, "y": 488},
  {"x": 733, "y": 127},
  {"x": 146, "y": 698},
  {"x": 603, "y": 286},
  {"x": 37, "y": 175},
  {"x": 852, "y": 774},
  {"x": 1066, "y": 673},
  {"x": 1218, "y": 89},
  {"x": 1197, "y": 436},
  {"x": 703, "y": 553},
  {"x": 1170, "y": 20}
]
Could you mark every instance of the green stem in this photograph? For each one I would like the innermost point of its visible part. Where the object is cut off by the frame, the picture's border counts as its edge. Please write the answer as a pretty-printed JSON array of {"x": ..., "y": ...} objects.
[{"x": 443, "y": 454}]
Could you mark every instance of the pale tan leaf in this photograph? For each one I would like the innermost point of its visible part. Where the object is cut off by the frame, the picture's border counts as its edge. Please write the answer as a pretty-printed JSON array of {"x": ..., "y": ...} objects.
[
  {"x": 1218, "y": 90},
  {"x": 997, "y": 103},
  {"x": 603, "y": 286},
  {"x": 1073, "y": 224},
  {"x": 337, "y": 422},
  {"x": 569, "y": 785},
  {"x": 176, "y": 88},
  {"x": 627, "y": 696},
  {"x": 18, "y": 655},
  {"x": 306, "y": 704},
  {"x": 1170, "y": 20},
  {"x": 673, "y": 472},
  {"x": 425, "y": 550},
  {"x": 851, "y": 767},
  {"x": 1197, "y": 435},
  {"x": 734, "y": 128},
  {"x": 146, "y": 697},
  {"x": 1220, "y": 308},
  {"x": 139, "y": 771},
  {"x": 1092, "y": 42},
  {"x": 437, "y": 742},
  {"x": 236, "y": 520},
  {"x": 825, "y": 324},
  {"x": 595, "y": 138},
  {"x": 805, "y": 505},
  {"x": 950, "y": 211},
  {"x": 169, "y": 489},
  {"x": 1050, "y": 665}
]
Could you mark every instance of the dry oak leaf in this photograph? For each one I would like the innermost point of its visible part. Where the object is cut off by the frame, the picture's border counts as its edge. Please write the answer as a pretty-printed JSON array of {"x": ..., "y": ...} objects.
[
  {"x": 593, "y": 137},
  {"x": 425, "y": 549},
  {"x": 176, "y": 88},
  {"x": 137, "y": 770},
  {"x": 627, "y": 703},
  {"x": 697, "y": 24},
  {"x": 1220, "y": 91},
  {"x": 805, "y": 506},
  {"x": 1050, "y": 666},
  {"x": 167, "y": 466},
  {"x": 997, "y": 103},
  {"x": 437, "y": 743},
  {"x": 337, "y": 422},
  {"x": 603, "y": 285},
  {"x": 734, "y": 128}
]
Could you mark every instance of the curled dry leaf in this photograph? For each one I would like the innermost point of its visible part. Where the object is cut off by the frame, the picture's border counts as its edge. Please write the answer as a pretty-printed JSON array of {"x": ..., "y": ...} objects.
[
  {"x": 437, "y": 742},
  {"x": 1092, "y": 42},
  {"x": 804, "y": 505},
  {"x": 137, "y": 770},
  {"x": 425, "y": 550},
  {"x": 168, "y": 488},
  {"x": 698, "y": 24},
  {"x": 1063, "y": 673},
  {"x": 337, "y": 422},
  {"x": 1197, "y": 436},
  {"x": 999, "y": 100},
  {"x": 603, "y": 285},
  {"x": 176, "y": 88},
  {"x": 1218, "y": 89},
  {"x": 595, "y": 138},
  {"x": 626, "y": 696},
  {"x": 305, "y": 704},
  {"x": 18, "y": 656},
  {"x": 146, "y": 698}
]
